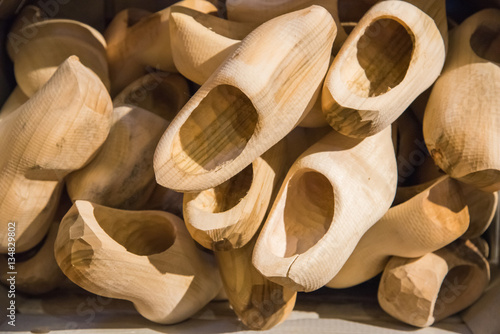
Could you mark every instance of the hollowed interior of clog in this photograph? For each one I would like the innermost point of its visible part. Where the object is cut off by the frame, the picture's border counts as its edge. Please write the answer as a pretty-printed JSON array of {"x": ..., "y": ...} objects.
[
  {"x": 381, "y": 59},
  {"x": 457, "y": 291},
  {"x": 485, "y": 42},
  {"x": 308, "y": 214},
  {"x": 216, "y": 132},
  {"x": 140, "y": 232},
  {"x": 227, "y": 195}
]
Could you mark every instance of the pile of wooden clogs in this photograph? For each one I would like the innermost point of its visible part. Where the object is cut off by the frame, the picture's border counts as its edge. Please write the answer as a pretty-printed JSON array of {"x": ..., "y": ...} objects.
[{"x": 302, "y": 143}]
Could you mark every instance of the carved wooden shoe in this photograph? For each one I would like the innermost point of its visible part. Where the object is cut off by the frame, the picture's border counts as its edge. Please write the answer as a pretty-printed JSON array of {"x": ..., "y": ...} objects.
[
  {"x": 249, "y": 104},
  {"x": 112, "y": 253},
  {"x": 35, "y": 158},
  {"x": 259, "y": 303},
  {"x": 161, "y": 93},
  {"x": 37, "y": 58},
  {"x": 425, "y": 223},
  {"x": 39, "y": 273},
  {"x": 143, "y": 43},
  {"x": 121, "y": 175},
  {"x": 393, "y": 54},
  {"x": 462, "y": 115},
  {"x": 437, "y": 11},
  {"x": 201, "y": 42},
  {"x": 425, "y": 290},
  {"x": 331, "y": 196},
  {"x": 227, "y": 216}
]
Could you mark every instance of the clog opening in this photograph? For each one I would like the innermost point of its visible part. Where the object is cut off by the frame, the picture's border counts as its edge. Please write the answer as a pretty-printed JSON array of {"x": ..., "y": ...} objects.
[
  {"x": 216, "y": 132},
  {"x": 227, "y": 195},
  {"x": 382, "y": 59},
  {"x": 308, "y": 213},
  {"x": 141, "y": 232}
]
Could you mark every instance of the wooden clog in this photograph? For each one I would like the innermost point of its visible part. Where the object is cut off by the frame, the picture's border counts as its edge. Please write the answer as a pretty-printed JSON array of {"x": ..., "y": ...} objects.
[
  {"x": 113, "y": 253},
  {"x": 201, "y": 42},
  {"x": 37, "y": 271},
  {"x": 57, "y": 131},
  {"x": 161, "y": 93},
  {"x": 227, "y": 217},
  {"x": 256, "y": 97},
  {"x": 462, "y": 116},
  {"x": 394, "y": 53},
  {"x": 423, "y": 224},
  {"x": 37, "y": 58},
  {"x": 259, "y": 303},
  {"x": 430, "y": 288},
  {"x": 121, "y": 175},
  {"x": 143, "y": 44},
  {"x": 331, "y": 196}
]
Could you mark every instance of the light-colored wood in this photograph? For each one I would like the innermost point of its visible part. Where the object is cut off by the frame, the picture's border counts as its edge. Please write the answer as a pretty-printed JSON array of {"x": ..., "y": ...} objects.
[
  {"x": 393, "y": 54},
  {"x": 255, "y": 98},
  {"x": 331, "y": 196},
  {"x": 57, "y": 131},
  {"x": 259, "y": 303},
  {"x": 462, "y": 117},
  {"x": 14, "y": 101},
  {"x": 201, "y": 42},
  {"x": 423, "y": 224},
  {"x": 146, "y": 257},
  {"x": 39, "y": 273},
  {"x": 161, "y": 93},
  {"x": 39, "y": 48},
  {"x": 143, "y": 44},
  {"x": 482, "y": 209},
  {"x": 436, "y": 9},
  {"x": 228, "y": 216},
  {"x": 425, "y": 290},
  {"x": 121, "y": 175}
]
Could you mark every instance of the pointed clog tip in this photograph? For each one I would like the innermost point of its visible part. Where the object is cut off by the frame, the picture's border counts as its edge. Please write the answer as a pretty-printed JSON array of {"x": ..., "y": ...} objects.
[{"x": 73, "y": 61}]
